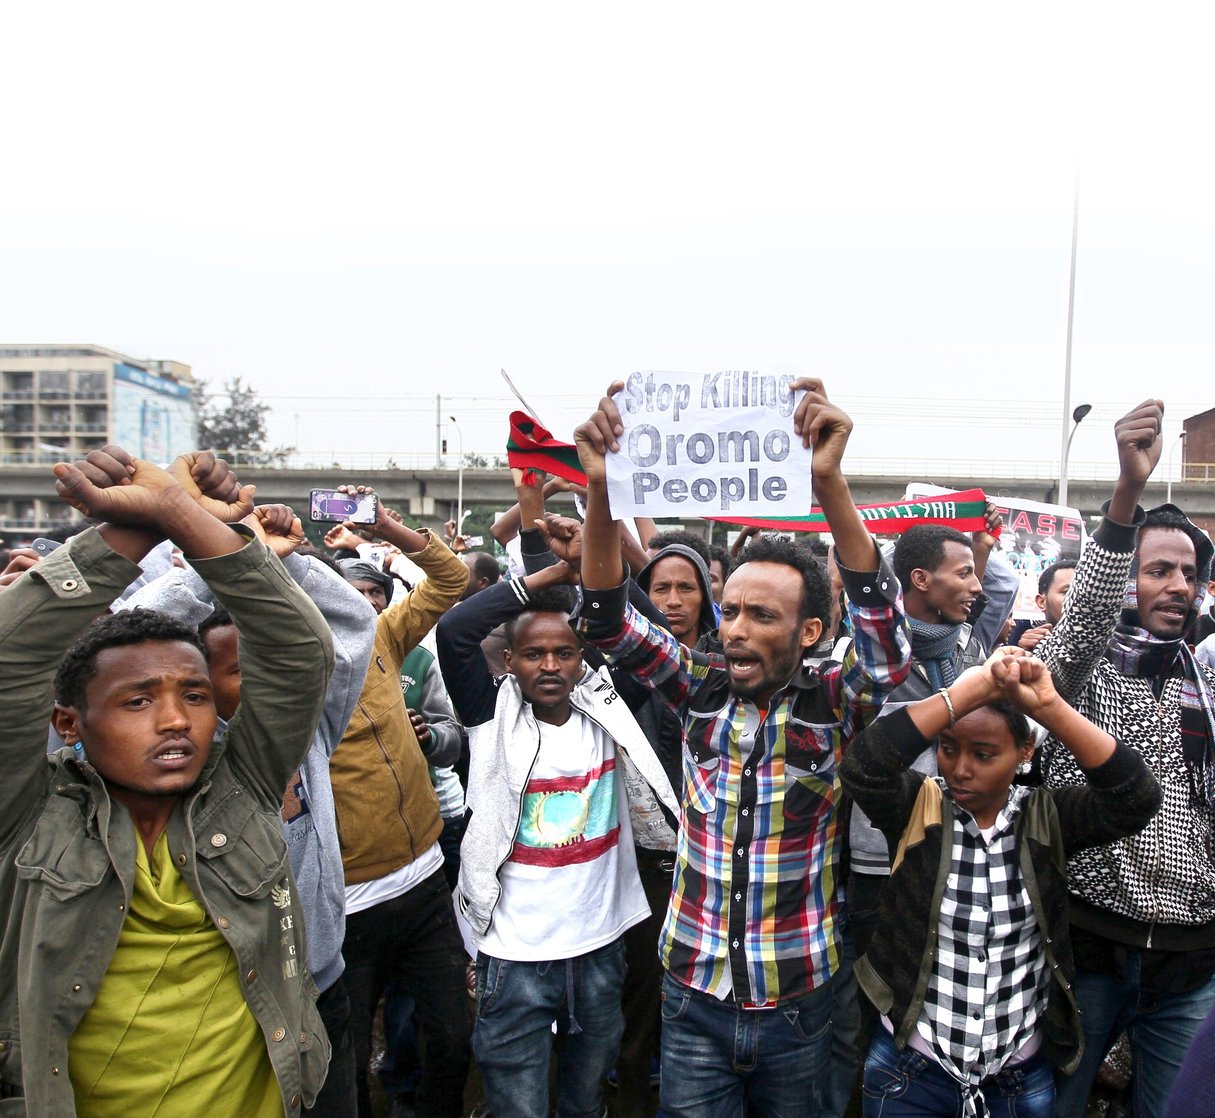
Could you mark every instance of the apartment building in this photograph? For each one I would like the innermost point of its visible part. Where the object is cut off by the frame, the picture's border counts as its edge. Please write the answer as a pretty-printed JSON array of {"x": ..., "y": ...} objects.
[{"x": 61, "y": 401}]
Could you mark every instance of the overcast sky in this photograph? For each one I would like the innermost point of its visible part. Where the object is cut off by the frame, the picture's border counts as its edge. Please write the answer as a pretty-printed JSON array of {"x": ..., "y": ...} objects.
[{"x": 357, "y": 207}]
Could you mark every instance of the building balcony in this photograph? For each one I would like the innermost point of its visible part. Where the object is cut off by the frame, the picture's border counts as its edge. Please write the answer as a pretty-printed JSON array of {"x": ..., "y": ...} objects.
[
  {"x": 31, "y": 457},
  {"x": 1198, "y": 471}
]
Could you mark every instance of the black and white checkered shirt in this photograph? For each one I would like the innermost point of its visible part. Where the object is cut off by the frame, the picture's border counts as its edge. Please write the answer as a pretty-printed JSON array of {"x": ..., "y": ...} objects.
[{"x": 989, "y": 979}]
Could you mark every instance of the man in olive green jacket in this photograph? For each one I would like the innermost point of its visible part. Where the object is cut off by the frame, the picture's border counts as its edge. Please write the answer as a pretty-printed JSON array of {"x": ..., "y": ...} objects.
[{"x": 142, "y": 866}]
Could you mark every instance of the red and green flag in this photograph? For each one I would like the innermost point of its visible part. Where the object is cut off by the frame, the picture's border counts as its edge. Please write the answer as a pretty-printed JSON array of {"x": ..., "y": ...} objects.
[
  {"x": 533, "y": 450},
  {"x": 966, "y": 511}
]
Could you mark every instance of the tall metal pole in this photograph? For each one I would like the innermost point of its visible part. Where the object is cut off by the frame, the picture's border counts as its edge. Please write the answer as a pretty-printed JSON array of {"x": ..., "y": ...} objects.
[
  {"x": 459, "y": 478},
  {"x": 438, "y": 431},
  {"x": 1067, "y": 361}
]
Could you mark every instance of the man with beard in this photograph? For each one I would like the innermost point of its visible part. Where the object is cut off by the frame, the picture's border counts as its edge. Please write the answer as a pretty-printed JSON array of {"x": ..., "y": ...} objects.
[
  {"x": 752, "y": 936},
  {"x": 1143, "y": 909}
]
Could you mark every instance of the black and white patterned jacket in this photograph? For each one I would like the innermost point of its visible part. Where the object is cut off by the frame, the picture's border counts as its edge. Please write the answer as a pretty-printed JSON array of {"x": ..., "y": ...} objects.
[{"x": 1155, "y": 888}]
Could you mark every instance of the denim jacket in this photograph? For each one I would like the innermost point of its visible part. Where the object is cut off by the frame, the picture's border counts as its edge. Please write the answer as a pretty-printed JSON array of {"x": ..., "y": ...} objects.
[{"x": 67, "y": 849}]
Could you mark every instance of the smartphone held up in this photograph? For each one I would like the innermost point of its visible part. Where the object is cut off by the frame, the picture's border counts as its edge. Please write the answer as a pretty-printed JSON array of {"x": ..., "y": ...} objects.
[{"x": 330, "y": 506}]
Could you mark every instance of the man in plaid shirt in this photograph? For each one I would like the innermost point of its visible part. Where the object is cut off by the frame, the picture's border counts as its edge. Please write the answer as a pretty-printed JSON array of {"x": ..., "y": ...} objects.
[{"x": 751, "y": 939}]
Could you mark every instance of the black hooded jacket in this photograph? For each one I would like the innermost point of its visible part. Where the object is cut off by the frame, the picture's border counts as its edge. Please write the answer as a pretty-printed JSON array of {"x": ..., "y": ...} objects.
[{"x": 657, "y": 720}]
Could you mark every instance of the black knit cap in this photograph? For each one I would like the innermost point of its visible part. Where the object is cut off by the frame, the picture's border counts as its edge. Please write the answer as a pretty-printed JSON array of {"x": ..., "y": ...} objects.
[{"x": 359, "y": 570}]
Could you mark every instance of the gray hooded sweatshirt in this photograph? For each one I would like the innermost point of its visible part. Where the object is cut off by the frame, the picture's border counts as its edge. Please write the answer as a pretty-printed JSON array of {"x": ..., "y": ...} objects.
[{"x": 311, "y": 831}]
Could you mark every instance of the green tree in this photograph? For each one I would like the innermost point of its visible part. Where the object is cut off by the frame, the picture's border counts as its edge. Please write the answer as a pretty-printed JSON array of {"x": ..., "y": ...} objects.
[
  {"x": 234, "y": 425},
  {"x": 474, "y": 461},
  {"x": 478, "y": 522}
]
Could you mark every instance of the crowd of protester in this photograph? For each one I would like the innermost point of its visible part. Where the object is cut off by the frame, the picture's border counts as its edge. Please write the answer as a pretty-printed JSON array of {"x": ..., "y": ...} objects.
[{"x": 620, "y": 823}]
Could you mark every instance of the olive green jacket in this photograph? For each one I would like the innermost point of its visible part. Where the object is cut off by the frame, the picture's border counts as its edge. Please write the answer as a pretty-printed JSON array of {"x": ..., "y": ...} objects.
[{"x": 67, "y": 850}]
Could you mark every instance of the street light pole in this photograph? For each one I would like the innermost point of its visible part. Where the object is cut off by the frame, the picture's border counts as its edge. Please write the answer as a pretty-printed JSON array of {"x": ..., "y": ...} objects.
[
  {"x": 459, "y": 477},
  {"x": 1067, "y": 360},
  {"x": 1081, "y": 411},
  {"x": 1168, "y": 489}
]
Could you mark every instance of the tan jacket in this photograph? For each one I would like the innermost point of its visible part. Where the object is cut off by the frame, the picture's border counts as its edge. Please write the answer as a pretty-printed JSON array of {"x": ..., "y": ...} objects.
[{"x": 387, "y": 811}]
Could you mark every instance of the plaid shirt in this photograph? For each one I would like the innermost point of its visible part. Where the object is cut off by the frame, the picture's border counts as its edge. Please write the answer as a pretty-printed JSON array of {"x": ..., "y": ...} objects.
[
  {"x": 988, "y": 983},
  {"x": 754, "y": 913}
]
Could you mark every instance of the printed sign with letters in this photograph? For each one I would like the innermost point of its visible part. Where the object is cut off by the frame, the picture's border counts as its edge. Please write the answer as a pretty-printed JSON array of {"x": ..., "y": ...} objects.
[{"x": 708, "y": 444}]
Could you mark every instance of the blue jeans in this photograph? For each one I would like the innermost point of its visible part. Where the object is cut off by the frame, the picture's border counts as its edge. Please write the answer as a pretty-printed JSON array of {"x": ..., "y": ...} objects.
[
  {"x": 1160, "y": 1026},
  {"x": 717, "y": 1057},
  {"x": 517, "y": 1004},
  {"x": 906, "y": 1084}
]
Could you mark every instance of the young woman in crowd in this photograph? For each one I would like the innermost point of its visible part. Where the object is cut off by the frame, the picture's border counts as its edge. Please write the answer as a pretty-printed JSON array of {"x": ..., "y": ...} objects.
[{"x": 971, "y": 963}]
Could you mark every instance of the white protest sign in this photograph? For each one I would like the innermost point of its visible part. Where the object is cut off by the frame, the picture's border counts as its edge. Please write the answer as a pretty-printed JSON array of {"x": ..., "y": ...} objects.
[{"x": 708, "y": 444}]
